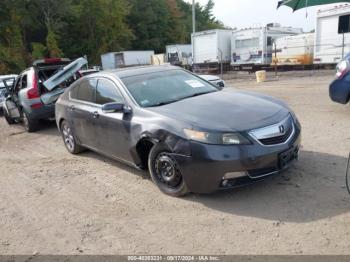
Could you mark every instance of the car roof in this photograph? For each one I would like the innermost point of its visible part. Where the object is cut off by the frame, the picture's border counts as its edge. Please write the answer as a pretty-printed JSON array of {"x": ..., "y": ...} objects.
[
  {"x": 7, "y": 76},
  {"x": 141, "y": 70}
]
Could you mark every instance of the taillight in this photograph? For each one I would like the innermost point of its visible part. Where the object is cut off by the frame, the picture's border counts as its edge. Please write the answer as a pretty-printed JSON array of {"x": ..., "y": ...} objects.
[
  {"x": 33, "y": 92},
  {"x": 36, "y": 106},
  {"x": 342, "y": 68}
]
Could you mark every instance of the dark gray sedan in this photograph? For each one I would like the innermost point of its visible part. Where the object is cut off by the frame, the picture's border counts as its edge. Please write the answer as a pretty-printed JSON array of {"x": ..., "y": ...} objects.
[{"x": 191, "y": 136}]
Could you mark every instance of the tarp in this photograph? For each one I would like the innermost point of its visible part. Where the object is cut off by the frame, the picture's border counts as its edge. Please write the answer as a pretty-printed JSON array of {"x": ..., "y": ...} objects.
[{"x": 299, "y": 4}]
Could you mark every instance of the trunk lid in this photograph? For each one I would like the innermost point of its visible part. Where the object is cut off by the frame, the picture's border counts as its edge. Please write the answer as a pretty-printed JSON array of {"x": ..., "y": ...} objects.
[
  {"x": 59, "y": 81},
  {"x": 64, "y": 74}
]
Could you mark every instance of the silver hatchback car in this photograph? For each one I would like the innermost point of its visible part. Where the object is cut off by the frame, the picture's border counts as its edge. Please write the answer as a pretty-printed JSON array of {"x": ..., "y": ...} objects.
[{"x": 33, "y": 95}]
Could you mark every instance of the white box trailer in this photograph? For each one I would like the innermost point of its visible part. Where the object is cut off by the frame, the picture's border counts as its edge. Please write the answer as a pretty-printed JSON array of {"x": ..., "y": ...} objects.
[
  {"x": 158, "y": 59},
  {"x": 294, "y": 50},
  {"x": 212, "y": 46},
  {"x": 179, "y": 54},
  {"x": 332, "y": 28},
  {"x": 254, "y": 46},
  {"x": 126, "y": 58}
]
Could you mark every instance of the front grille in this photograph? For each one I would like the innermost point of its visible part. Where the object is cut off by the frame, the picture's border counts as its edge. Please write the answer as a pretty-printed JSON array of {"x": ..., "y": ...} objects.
[
  {"x": 275, "y": 134},
  {"x": 277, "y": 139}
]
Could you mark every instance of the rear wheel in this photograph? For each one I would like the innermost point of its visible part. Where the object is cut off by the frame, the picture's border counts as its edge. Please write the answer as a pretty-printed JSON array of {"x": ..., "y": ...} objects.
[
  {"x": 165, "y": 171},
  {"x": 69, "y": 139},
  {"x": 29, "y": 124}
]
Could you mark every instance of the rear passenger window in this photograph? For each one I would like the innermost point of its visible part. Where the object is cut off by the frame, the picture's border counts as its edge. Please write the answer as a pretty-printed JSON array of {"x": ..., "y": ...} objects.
[
  {"x": 86, "y": 91},
  {"x": 107, "y": 92}
]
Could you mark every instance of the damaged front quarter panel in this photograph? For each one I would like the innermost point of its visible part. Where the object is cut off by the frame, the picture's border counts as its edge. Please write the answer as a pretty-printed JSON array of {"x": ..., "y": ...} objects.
[{"x": 146, "y": 136}]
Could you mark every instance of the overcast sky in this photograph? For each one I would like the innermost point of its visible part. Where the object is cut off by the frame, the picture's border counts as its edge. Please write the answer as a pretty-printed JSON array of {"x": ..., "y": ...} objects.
[{"x": 247, "y": 13}]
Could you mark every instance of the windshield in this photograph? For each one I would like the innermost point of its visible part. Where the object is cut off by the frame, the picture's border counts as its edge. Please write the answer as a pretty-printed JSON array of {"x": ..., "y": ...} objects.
[{"x": 160, "y": 88}]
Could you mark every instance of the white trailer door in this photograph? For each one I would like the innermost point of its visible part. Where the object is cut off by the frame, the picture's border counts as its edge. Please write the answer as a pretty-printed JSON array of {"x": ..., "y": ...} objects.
[
  {"x": 206, "y": 48},
  {"x": 328, "y": 41}
]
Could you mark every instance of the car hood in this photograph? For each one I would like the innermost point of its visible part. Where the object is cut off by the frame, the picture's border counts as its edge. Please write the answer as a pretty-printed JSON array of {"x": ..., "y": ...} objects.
[{"x": 225, "y": 111}]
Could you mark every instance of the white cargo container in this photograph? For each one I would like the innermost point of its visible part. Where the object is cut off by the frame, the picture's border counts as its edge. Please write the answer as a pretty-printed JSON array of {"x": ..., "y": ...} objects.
[
  {"x": 212, "y": 46},
  {"x": 158, "y": 59},
  {"x": 332, "y": 28},
  {"x": 254, "y": 46},
  {"x": 294, "y": 50},
  {"x": 126, "y": 58},
  {"x": 179, "y": 54}
]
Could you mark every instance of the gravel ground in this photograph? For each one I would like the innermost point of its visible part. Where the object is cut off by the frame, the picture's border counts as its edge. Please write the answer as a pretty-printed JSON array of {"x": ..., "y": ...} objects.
[{"x": 52, "y": 202}]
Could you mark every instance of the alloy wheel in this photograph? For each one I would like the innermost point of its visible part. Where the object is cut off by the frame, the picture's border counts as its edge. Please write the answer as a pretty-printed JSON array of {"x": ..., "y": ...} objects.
[{"x": 68, "y": 137}]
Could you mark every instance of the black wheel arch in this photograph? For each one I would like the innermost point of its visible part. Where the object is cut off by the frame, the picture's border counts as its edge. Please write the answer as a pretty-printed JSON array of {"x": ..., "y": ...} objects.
[
  {"x": 60, "y": 121},
  {"x": 147, "y": 141},
  {"x": 143, "y": 148}
]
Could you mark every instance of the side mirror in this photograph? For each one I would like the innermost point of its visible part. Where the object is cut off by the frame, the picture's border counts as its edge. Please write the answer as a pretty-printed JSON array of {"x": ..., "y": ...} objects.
[{"x": 113, "y": 108}]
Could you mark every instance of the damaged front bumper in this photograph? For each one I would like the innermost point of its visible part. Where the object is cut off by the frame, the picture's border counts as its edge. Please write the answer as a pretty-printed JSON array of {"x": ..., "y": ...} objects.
[{"x": 214, "y": 167}]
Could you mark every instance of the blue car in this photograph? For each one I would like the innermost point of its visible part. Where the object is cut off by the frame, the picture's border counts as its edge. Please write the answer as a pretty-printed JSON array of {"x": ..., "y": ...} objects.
[{"x": 339, "y": 89}]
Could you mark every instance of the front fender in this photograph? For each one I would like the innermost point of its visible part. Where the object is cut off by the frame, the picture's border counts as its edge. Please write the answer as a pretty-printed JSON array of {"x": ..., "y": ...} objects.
[
  {"x": 339, "y": 90},
  {"x": 176, "y": 144}
]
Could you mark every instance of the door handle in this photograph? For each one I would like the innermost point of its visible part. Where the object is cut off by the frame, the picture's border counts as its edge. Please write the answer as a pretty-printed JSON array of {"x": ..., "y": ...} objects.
[
  {"x": 95, "y": 114},
  {"x": 72, "y": 108}
]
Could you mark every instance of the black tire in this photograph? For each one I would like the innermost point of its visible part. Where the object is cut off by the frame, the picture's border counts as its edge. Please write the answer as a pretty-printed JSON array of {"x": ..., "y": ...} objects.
[
  {"x": 165, "y": 172},
  {"x": 69, "y": 139},
  {"x": 29, "y": 124},
  {"x": 9, "y": 120}
]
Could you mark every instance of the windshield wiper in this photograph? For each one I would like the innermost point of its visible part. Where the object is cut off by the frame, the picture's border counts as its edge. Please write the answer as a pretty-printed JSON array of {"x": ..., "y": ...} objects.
[
  {"x": 197, "y": 94},
  {"x": 164, "y": 103},
  {"x": 181, "y": 98}
]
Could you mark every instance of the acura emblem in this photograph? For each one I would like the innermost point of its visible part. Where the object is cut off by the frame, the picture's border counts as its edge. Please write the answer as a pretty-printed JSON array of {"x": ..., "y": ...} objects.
[{"x": 281, "y": 128}]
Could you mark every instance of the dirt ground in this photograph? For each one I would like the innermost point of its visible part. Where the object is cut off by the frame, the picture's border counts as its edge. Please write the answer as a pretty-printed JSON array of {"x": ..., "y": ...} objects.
[{"x": 52, "y": 202}]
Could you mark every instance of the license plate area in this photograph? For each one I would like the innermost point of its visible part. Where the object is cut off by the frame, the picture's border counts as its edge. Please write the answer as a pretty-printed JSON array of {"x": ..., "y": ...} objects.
[{"x": 287, "y": 157}]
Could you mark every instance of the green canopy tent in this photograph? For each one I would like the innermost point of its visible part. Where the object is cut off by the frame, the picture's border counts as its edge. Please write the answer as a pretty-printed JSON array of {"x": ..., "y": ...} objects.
[{"x": 299, "y": 4}]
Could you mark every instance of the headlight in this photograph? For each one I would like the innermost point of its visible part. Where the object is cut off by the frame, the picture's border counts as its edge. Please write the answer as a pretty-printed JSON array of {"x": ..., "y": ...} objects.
[
  {"x": 342, "y": 68},
  {"x": 217, "y": 138}
]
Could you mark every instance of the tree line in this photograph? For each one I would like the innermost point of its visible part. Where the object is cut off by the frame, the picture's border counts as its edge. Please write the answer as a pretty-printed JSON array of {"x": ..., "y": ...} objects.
[{"x": 33, "y": 29}]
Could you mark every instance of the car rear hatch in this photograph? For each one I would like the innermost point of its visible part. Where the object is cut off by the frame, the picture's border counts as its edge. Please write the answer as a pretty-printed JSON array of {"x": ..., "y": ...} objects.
[{"x": 55, "y": 75}]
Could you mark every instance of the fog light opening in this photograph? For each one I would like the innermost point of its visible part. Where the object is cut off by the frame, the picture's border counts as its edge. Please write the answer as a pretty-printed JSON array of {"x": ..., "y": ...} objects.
[
  {"x": 232, "y": 175},
  {"x": 224, "y": 183}
]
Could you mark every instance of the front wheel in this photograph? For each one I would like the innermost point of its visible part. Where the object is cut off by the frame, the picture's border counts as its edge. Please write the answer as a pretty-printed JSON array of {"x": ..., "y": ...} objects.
[
  {"x": 165, "y": 172},
  {"x": 69, "y": 139}
]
